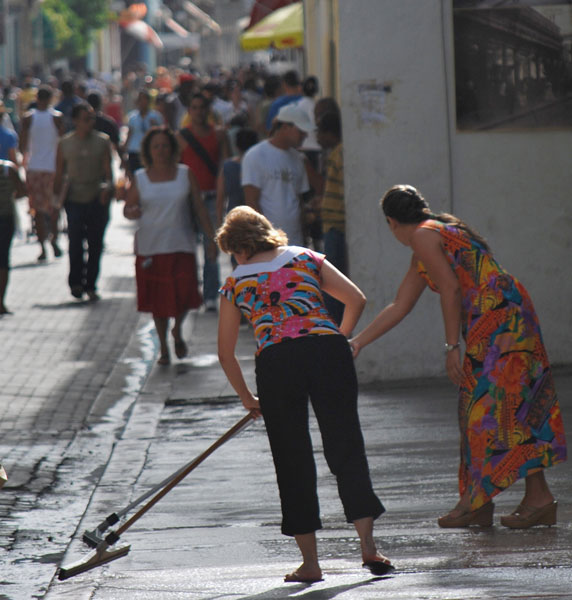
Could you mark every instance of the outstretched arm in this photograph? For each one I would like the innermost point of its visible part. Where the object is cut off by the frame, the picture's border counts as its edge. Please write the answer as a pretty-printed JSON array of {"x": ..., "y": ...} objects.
[
  {"x": 335, "y": 283},
  {"x": 427, "y": 247},
  {"x": 228, "y": 324},
  {"x": 408, "y": 293}
]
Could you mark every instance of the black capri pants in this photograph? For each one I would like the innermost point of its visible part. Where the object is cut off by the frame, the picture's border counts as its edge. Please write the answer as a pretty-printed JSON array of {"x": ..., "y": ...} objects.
[
  {"x": 320, "y": 368},
  {"x": 7, "y": 228}
]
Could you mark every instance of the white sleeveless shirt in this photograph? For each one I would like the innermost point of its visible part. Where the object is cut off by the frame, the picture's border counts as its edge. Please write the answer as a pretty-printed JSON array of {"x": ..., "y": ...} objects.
[
  {"x": 43, "y": 140},
  {"x": 165, "y": 224}
]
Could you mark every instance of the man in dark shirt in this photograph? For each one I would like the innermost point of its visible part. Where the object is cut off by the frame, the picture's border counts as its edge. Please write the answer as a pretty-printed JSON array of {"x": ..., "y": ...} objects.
[
  {"x": 103, "y": 123},
  {"x": 66, "y": 104}
]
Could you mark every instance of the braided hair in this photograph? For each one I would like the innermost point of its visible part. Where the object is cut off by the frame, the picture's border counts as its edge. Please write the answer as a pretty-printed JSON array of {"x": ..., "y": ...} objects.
[{"x": 406, "y": 205}]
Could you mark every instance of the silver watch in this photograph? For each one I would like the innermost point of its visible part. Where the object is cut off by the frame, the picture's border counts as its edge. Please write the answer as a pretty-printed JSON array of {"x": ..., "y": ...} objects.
[{"x": 451, "y": 347}]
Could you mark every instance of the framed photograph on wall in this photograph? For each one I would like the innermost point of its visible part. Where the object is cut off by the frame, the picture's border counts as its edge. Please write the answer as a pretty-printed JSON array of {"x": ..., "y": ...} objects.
[{"x": 513, "y": 64}]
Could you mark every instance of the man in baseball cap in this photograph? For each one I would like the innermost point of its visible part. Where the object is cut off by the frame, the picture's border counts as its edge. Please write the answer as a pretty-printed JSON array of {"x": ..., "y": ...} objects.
[
  {"x": 294, "y": 115},
  {"x": 274, "y": 175}
]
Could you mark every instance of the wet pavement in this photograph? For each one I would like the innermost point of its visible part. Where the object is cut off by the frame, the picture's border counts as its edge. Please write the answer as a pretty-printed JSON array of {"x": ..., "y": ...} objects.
[
  {"x": 217, "y": 534},
  {"x": 90, "y": 423}
]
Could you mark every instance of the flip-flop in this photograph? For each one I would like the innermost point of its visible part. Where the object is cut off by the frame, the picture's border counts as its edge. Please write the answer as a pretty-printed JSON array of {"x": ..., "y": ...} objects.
[
  {"x": 295, "y": 578},
  {"x": 379, "y": 567}
]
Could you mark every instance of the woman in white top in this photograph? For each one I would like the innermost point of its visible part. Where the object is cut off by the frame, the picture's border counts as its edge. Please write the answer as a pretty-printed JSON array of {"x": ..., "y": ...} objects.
[{"x": 160, "y": 197}]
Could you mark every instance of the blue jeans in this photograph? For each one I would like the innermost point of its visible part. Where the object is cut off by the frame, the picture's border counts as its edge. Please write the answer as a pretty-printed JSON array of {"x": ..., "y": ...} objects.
[
  {"x": 86, "y": 223},
  {"x": 211, "y": 272},
  {"x": 335, "y": 251}
]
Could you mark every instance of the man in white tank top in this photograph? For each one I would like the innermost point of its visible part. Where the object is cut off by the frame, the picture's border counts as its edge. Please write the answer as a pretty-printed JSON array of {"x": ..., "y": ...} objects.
[{"x": 41, "y": 131}]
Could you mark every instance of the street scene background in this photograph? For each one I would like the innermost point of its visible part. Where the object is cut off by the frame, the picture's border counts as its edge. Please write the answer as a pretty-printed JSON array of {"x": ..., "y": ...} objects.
[{"x": 89, "y": 421}]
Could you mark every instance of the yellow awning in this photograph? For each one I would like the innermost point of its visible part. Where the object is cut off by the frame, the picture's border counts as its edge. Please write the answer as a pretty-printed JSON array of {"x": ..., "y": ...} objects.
[{"x": 283, "y": 28}]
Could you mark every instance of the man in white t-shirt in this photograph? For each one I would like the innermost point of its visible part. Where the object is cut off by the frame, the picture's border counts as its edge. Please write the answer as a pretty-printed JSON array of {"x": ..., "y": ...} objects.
[{"x": 274, "y": 175}]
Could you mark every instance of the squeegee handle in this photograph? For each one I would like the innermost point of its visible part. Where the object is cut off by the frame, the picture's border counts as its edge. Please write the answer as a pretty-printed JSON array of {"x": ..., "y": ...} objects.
[
  {"x": 244, "y": 422},
  {"x": 114, "y": 518}
]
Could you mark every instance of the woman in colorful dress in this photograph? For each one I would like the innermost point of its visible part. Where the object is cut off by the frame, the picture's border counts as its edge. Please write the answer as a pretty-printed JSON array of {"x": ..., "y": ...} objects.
[
  {"x": 160, "y": 199},
  {"x": 300, "y": 353},
  {"x": 509, "y": 417}
]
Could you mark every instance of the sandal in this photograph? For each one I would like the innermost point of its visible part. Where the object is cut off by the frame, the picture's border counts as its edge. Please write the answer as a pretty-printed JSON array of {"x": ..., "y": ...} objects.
[
  {"x": 524, "y": 517},
  {"x": 483, "y": 517},
  {"x": 379, "y": 566}
]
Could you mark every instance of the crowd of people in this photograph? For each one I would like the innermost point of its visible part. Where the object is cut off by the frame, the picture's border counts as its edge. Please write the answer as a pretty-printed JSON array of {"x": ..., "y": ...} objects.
[
  {"x": 65, "y": 136},
  {"x": 254, "y": 162}
]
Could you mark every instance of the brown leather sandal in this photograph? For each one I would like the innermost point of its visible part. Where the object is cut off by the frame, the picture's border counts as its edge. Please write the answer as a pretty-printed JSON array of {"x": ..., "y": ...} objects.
[
  {"x": 482, "y": 517},
  {"x": 524, "y": 516}
]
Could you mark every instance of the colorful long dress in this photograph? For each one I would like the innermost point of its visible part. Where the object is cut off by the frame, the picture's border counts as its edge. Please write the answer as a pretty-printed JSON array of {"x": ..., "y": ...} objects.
[{"x": 509, "y": 416}]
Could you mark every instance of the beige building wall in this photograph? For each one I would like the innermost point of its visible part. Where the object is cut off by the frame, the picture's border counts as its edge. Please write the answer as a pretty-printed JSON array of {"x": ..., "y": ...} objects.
[
  {"x": 396, "y": 74},
  {"x": 321, "y": 44}
]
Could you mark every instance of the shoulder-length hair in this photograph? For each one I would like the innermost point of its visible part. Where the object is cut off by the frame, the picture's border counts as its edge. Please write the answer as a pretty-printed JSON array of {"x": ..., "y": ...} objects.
[
  {"x": 246, "y": 230},
  {"x": 146, "y": 144}
]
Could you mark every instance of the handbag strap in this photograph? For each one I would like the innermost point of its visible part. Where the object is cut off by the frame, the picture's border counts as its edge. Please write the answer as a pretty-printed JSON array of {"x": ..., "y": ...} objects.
[{"x": 199, "y": 149}]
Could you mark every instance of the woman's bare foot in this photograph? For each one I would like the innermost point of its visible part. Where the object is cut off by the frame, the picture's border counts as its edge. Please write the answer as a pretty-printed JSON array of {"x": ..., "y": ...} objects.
[
  {"x": 536, "y": 491},
  {"x": 536, "y": 501},
  {"x": 462, "y": 507},
  {"x": 181, "y": 349},
  {"x": 304, "y": 574},
  {"x": 459, "y": 511},
  {"x": 164, "y": 358}
]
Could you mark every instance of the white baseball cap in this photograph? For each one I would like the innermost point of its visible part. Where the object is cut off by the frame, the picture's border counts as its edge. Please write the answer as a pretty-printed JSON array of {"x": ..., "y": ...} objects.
[{"x": 296, "y": 116}]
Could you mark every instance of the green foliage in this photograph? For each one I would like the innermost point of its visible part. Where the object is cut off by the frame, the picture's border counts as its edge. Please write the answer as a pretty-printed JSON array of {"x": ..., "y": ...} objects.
[{"x": 72, "y": 24}]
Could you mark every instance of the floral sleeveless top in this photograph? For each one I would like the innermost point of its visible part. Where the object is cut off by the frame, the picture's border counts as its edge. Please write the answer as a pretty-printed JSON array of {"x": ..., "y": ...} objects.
[{"x": 281, "y": 298}]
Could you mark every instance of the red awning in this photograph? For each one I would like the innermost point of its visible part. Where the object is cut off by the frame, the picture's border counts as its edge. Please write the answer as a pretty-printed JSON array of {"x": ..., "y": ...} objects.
[{"x": 262, "y": 8}]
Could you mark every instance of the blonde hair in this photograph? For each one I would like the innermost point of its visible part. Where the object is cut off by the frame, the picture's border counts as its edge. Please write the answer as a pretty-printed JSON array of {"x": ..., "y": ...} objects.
[{"x": 246, "y": 230}]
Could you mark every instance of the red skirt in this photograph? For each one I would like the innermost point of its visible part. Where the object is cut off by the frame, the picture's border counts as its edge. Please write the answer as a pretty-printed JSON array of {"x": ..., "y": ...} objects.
[{"x": 167, "y": 284}]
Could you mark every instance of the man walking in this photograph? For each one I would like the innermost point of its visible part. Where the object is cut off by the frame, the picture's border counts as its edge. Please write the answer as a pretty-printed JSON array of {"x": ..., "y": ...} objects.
[
  {"x": 274, "y": 176},
  {"x": 203, "y": 150},
  {"x": 41, "y": 130},
  {"x": 139, "y": 122},
  {"x": 103, "y": 123},
  {"x": 85, "y": 155},
  {"x": 67, "y": 102}
]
